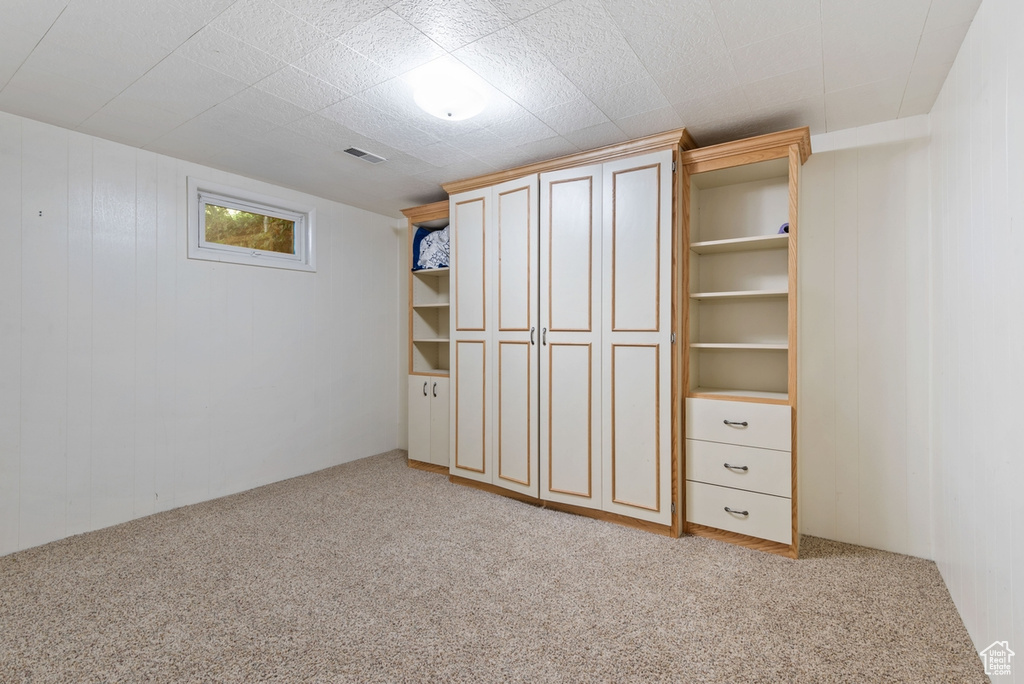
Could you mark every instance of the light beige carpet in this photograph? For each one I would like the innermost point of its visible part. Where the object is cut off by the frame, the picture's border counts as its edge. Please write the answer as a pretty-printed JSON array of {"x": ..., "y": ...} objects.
[{"x": 374, "y": 572}]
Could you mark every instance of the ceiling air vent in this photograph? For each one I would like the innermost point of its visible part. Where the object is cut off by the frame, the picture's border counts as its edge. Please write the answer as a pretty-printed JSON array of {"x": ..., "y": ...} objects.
[{"x": 364, "y": 155}]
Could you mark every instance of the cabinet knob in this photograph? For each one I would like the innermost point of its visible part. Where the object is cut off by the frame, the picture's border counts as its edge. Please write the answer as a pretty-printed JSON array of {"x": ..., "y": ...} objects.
[
  {"x": 425, "y": 389},
  {"x": 735, "y": 423},
  {"x": 743, "y": 513}
]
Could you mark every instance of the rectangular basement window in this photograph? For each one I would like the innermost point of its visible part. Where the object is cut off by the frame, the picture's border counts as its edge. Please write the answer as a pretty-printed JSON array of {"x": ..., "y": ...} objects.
[{"x": 241, "y": 227}]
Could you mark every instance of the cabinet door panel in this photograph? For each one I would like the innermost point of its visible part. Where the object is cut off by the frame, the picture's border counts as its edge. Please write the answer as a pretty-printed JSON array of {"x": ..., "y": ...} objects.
[
  {"x": 571, "y": 238},
  {"x": 516, "y": 420},
  {"x": 470, "y": 422},
  {"x": 517, "y": 275},
  {"x": 419, "y": 418},
  {"x": 571, "y": 446},
  {"x": 439, "y": 421},
  {"x": 635, "y": 243},
  {"x": 635, "y": 468},
  {"x": 469, "y": 226}
]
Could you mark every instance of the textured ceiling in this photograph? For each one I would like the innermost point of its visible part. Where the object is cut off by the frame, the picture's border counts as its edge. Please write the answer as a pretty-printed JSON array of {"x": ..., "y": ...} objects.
[{"x": 275, "y": 89}]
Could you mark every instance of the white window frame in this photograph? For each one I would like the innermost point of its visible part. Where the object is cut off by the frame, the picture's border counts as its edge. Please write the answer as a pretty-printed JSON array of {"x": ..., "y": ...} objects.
[{"x": 201, "y": 193}]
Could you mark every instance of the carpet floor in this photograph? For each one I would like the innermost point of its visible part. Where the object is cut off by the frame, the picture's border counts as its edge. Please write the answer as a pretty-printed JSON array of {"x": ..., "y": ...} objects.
[{"x": 375, "y": 572}]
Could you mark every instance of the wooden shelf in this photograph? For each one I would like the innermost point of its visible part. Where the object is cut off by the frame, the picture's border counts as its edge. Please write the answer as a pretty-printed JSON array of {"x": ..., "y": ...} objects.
[
  {"x": 742, "y": 394},
  {"x": 731, "y": 345},
  {"x": 432, "y": 271},
  {"x": 431, "y": 340},
  {"x": 744, "y": 244},
  {"x": 438, "y": 305},
  {"x": 745, "y": 294}
]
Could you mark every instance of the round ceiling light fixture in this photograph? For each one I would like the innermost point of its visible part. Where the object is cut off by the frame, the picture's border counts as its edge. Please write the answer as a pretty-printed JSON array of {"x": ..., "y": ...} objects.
[{"x": 448, "y": 90}]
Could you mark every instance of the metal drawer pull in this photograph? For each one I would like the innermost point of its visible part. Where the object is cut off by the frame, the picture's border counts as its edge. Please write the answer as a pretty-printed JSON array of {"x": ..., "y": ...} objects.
[
  {"x": 732, "y": 467},
  {"x": 729, "y": 510},
  {"x": 531, "y": 335},
  {"x": 435, "y": 389},
  {"x": 424, "y": 389},
  {"x": 735, "y": 422}
]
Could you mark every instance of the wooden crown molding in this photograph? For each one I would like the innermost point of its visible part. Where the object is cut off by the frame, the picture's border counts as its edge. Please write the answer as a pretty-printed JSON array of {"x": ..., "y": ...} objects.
[
  {"x": 781, "y": 141},
  {"x": 669, "y": 139},
  {"x": 427, "y": 212}
]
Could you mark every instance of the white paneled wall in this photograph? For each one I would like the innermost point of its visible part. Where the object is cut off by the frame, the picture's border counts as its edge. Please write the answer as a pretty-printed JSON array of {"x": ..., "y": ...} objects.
[
  {"x": 978, "y": 328},
  {"x": 863, "y": 250},
  {"x": 134, "y": 380}
]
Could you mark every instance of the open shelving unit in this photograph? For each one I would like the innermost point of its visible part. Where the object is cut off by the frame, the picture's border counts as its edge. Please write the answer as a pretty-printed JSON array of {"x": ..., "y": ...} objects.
[{"x": 428, "y": 300}]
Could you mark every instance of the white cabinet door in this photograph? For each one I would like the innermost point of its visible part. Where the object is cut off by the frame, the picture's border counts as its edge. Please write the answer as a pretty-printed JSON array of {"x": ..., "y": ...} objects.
[
  {"x": 470, "y": 314},
  {"x": 515, "y": 335},
  {"x": 570, "y": 322},
  {"x": 419, "y": 418},
  {"x": 636, "y": 337},
  {"x": 439, "y": 421}
]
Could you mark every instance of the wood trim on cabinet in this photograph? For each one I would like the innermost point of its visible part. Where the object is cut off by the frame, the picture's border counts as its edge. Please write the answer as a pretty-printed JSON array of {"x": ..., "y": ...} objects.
[
  {"x": 529, "y": 263},
  {"x": 787, "y": 550},
  {"x": 529, "y": 413},
  {"x": 680, "y": 242},
  {"x": 657, "y": 427},
  {"x": 661, "y": 141},
  {"x": 429, "y": 467},
  {"x": 748, "y": 150},
  {"x": 427, "y": 212},
  {"x": 483, "y": 446},
  {"x": 657, "y": 254},
  {"x": 483, "y": 266},
  {"x": 590, "y": 258},
  {"x": 795, "y": 162},
  {"x": 590, "y": 418},
  {"x": 737, "y": 397}
]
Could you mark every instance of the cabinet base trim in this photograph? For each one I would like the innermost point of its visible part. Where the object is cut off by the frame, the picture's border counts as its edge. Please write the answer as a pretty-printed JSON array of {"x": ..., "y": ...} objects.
[
  {"x": 787, "y": 550},
  {"x": 625, "y": 521},
  {"x": 429, "y": 467}
]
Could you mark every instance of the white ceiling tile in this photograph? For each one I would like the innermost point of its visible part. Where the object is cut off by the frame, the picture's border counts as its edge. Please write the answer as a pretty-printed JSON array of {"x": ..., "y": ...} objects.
[
  {"x": 270, "y": 28},
  {"x": 522, "y": 128},
  {"x": 51, "y": 98},
  {"x": 581, "y": 39},
  {"x": 912, "y": 106},
  {"x": 343, "y": 67},
  {"x": 941, "y": 46},
  {"x": 199, "y": 139},
  {"x": 572, "y": 116},
  {"x": 859, "y": 47},
  {"x": 945, "y": 13},
  {"x": 179, "y": 85},
  {"x": 132, "y": 123},
  {"x": 781, "y": 54},
  {"x": 750, "y": 21},
  {"x": 864, "y": 104},
  {"x": 377, "y": 125},
  {"x": 203, "y": 10},
  {"x": 649, "y": 123},
  {"x": 506, "y": 60},
  {"x": 24, "y": 24},
  {"x": 334, "y": 137},
  {"x": 334, "y": 17},
  {"x": 155, "y": 22},
  {"x": 110, "y": 65},
  {"x": 628, "y": 99},
  {"x": 785, "y": 88},
  {"x": 520, "y": 9},
  {"x": 695, "y": 79},
  {"x": 452, "y": 23},
  {"x": 228, "y": 55},
  {"x": 440, "y": 154},
  {"x": 926, "y": 82},
  {"x": 701, "y": 111},
  {"x": 668, "y": 35},
  {"x": 808, "y": 112},
  {"x": 270, "y": 108},
  {"x": 596, "y": 136},
  {"x": 300, "y": 89},
  {"x": 480, "y": 142},
  {"x": 392, "y": 42}
]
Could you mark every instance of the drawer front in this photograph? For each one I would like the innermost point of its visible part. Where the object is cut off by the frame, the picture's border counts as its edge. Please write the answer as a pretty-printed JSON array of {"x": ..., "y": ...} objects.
[
  {"x": 768, "y": 517},
  {"x": 767, "y": 471},
  {"x": 768, "y": 426}
]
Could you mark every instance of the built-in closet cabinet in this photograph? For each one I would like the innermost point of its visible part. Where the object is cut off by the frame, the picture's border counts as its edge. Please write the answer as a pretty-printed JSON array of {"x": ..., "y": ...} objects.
[{"x": 561, "y": 332}]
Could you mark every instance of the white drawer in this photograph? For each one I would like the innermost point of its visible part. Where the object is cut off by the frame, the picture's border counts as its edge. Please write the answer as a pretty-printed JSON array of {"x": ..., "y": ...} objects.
[
  {"x": 769, "y": 426},
  {"x": 757, "y": 470},
  {"x": 767, "y": 517}
]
